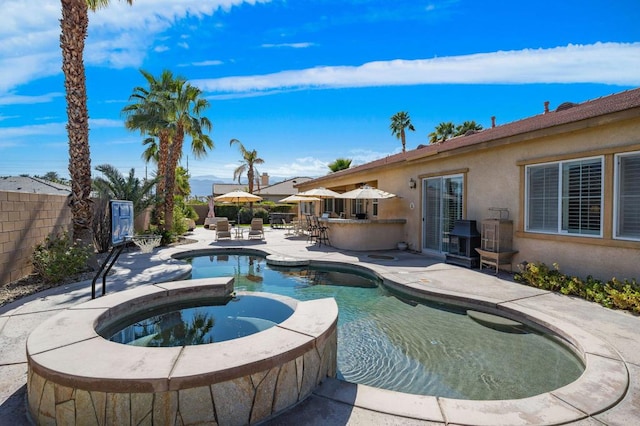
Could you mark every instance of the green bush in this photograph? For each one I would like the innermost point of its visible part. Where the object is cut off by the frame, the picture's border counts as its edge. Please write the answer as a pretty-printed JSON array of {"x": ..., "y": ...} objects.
[
  {"x": 58, "y": 258},
  {"x": 246, "y": 216},
  {"x": 612, "y": 294},
  {"x": 179, "y": 225}
]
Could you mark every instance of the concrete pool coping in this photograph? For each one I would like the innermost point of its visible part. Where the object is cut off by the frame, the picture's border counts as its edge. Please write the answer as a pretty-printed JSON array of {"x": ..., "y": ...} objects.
[
  {"x": 62, "y": 357},
  {"x": 602, "y": 384},
  {"x": 337, "y": 402}
]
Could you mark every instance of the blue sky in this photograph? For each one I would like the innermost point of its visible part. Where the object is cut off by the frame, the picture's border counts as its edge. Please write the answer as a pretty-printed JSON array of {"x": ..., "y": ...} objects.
[{"x": 305, "y": 82}]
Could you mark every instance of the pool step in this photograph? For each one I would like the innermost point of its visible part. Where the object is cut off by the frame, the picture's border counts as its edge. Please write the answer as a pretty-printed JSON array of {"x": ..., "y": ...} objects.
[{"x": 279, "y": 260}]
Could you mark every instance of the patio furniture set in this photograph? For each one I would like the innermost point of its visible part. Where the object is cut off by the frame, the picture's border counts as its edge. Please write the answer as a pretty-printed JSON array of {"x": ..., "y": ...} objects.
[{"x": 224, "y": 230}]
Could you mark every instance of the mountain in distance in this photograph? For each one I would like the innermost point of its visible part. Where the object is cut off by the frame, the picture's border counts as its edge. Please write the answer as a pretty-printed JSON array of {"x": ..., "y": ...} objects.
[{"x": 202, "y": 186}]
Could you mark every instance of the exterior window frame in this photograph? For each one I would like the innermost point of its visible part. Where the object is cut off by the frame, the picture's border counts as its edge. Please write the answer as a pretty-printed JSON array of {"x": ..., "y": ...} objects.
[
  {"x": 616, "y": 196},
  {"x": 559, "y": 218}
]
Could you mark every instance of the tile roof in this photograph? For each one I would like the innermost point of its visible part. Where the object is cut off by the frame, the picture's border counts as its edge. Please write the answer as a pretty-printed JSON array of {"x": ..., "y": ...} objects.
[
  {"x": 627, "y": 100},
  {"x": 285, "y": 187}
]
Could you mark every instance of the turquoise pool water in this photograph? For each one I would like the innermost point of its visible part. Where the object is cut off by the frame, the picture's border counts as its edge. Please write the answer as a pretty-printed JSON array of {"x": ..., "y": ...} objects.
[
  {"x": 199, "y": 322},
  {"x": 414, "y": 347}
]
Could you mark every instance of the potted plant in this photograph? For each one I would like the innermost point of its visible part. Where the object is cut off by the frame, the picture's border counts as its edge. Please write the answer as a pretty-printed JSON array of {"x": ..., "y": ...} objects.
[{"x": 402, "y": 245}]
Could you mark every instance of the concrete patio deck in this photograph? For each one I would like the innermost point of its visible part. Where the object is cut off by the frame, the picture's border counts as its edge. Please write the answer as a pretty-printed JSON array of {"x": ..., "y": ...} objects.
[{"x": 609, "y": 339}]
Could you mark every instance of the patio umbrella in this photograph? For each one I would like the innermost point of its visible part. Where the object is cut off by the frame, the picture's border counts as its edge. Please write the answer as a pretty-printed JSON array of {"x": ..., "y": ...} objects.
[
  {"x": 237, "y": 197},
  {"x": 366, "y": 192},
  {"x": 320, "y": 193},
  {"x": 297, "y": 198}
]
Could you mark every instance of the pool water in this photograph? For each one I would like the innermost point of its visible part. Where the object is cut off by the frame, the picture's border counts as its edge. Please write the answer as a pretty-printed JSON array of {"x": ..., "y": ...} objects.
[
  {"x": 199, "y": 322},
  {"x": 414, "y": 347}
]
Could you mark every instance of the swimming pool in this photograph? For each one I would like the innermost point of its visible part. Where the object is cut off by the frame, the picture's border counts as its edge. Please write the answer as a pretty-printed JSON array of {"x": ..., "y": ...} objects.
[{"x": 390, "y": 342}]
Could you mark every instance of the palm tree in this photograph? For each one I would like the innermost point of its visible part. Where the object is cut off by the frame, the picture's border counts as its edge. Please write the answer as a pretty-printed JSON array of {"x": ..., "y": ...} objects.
[
  {"x": 115, "y": 186},
  {"x": 399, "y": 122},
  {"x": 462, "y": 129},
  {"x": 53, "y": 177},
  {"x": 147, "y": 113},
  {"x": 248, "y": 164},
  {"x": 442, "y": 132},
  {"x": 185, "y": 119},
  {"x": 73, "y": 25},
  {"x": 169, "y": 109},
  {"x": 339, "y": 164}
]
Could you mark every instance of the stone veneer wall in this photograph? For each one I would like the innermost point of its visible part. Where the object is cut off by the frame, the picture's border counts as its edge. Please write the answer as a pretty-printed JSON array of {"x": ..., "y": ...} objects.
[
  {"x": 240, "y": 401},
  {"x": 26, "y": 219}
]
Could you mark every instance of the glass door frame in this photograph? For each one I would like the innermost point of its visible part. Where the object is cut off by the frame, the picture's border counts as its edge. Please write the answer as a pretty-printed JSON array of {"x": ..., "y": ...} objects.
[{"x": 441, "y": 250}]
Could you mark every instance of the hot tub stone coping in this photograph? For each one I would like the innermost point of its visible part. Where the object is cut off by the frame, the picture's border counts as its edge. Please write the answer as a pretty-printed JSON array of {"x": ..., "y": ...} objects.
[{"x": 64, "y": 348}]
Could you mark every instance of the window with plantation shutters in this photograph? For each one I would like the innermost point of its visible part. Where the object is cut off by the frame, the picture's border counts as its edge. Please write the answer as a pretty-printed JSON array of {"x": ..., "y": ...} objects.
[
  {"x": 565, "y": 197},
  {"x": 627, "y": 200},
  {"x": 542, "y": 207}
]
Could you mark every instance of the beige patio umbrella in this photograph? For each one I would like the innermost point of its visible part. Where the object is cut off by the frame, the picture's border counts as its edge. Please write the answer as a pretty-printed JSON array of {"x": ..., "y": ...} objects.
[
  {"x": 366, "y": 192},
  {"x": 297, "y": 198},
  {"x": 320, "y": 193},
  {"x": 237, "y": 197}
]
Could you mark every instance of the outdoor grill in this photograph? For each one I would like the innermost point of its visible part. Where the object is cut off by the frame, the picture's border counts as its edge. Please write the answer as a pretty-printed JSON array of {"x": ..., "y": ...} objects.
[{"x": 464, "y": 238}]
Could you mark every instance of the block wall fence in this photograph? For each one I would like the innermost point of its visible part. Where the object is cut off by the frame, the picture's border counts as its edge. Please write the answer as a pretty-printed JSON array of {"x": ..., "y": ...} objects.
[{"x": 25, "y": 221}]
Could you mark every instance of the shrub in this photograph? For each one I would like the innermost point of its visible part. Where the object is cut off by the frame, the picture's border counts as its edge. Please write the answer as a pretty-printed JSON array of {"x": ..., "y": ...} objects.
[
  {"x": 179, "y": 225},
  {"x": 261, "y": 213},
  {"x": 58, "y": 258},
  {"x": 246, "y": 216},
  {"x": 612, "y": 294}
]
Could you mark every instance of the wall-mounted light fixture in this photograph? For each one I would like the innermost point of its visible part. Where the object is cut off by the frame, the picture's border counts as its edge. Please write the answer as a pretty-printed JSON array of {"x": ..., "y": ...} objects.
[{"x": 412, "y": 183}]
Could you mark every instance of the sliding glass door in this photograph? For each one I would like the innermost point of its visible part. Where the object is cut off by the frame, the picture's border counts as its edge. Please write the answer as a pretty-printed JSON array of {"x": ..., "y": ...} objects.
[{"x": 442, "y": 206}]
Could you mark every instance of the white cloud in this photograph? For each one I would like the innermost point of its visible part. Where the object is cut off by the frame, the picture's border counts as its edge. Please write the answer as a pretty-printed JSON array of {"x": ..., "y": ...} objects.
[
  {"x": 161, "y": 48},
  {"x": 105, "y": 122},
  {"x": 303, "y": 166},
  {"x": 211, "y": 63},
  {"x": 11, "y": 99},
  {"x": 32, "y": 130},
  {"x": 605, "y": 63},
  {"x": 363, "y": 156},
  {"x": 183, "y": 44},
  {"x": 291, "y": 45},
  {"x": 119, "y": 35}
]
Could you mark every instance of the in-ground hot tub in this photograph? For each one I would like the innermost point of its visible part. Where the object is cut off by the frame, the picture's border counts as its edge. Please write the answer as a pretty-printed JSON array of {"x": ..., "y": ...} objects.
[{"x": 76, "y": 376}]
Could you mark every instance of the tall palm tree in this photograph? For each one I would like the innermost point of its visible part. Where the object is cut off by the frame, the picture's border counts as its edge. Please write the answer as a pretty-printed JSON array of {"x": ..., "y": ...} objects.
[
  {"x": 169, "y": 109},
  {"x": 73, "y": 25},
  {"x": 147, "y": 113},
  {"x": 340, "y": 164},
  {"x": 248, "y": 164},
  {"x": 462, "y": 129},
  {"x": 185, "y": 119},
  {"x": 443, "y": 131},
  {"x": 399, "y": 122}
]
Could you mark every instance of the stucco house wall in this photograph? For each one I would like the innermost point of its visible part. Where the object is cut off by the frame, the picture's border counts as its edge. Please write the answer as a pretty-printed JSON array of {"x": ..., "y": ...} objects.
[{"x": 493, "y": 170}]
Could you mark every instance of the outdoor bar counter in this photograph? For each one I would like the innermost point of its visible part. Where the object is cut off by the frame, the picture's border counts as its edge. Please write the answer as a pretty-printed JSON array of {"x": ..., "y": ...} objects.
[{"x": 365, "y": 234}]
